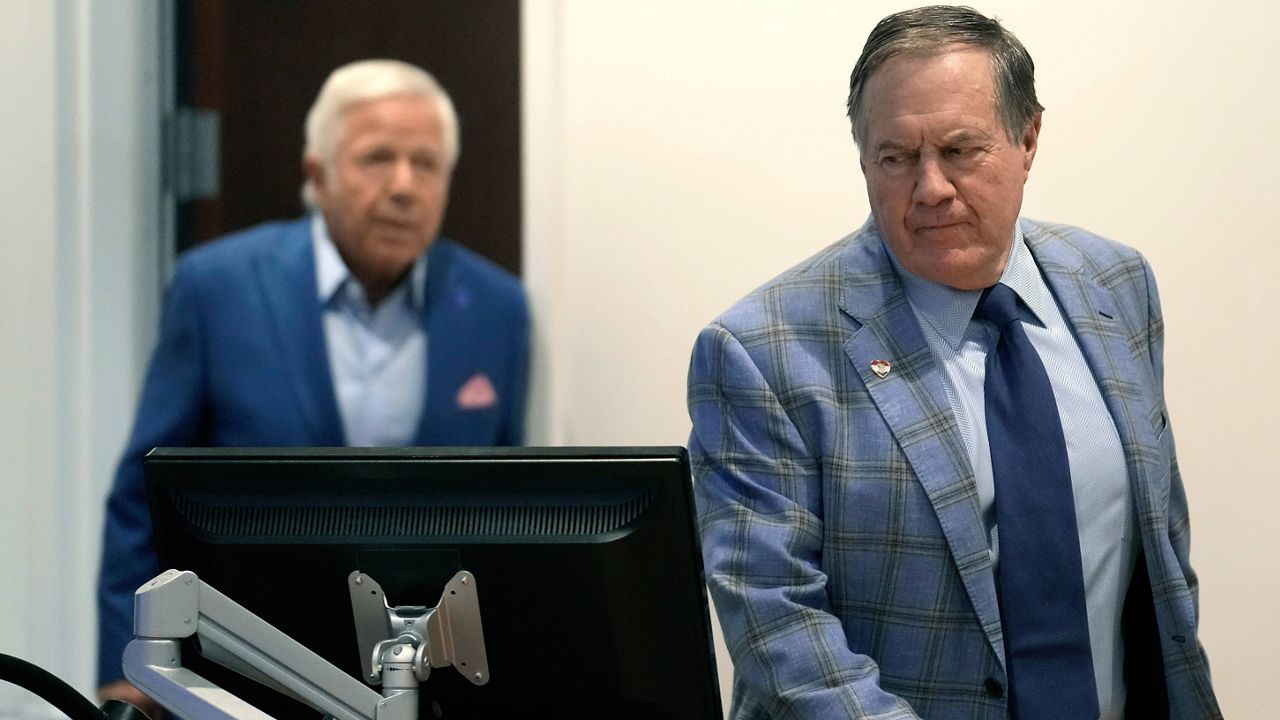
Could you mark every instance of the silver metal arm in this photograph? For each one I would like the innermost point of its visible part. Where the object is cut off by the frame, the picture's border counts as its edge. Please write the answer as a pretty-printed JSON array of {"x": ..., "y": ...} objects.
[{"x": 177, "y": 605}]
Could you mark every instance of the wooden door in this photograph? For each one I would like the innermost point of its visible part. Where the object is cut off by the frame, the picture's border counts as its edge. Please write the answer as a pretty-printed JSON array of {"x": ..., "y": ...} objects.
[{"x": 258, "y": 65}]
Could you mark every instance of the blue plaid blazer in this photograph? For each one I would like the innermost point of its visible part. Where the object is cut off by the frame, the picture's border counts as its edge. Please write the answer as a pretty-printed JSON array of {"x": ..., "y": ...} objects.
[{"x": 839, "y": 512}]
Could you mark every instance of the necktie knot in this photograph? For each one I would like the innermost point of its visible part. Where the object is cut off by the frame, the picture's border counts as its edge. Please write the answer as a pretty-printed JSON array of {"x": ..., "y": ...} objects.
[{"x": 999, "y": 305}]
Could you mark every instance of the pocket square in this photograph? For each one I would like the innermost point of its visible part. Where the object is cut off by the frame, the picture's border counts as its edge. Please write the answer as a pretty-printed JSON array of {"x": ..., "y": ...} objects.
[{"x": 477, "y": 393}]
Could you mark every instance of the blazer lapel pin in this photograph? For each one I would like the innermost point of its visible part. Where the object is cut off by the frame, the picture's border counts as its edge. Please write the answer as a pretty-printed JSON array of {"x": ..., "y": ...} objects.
[{"x": 880, "y": 368}]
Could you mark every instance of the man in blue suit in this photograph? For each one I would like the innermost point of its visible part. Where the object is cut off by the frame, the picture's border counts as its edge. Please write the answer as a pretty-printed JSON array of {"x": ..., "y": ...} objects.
[
  {"x": 861, "y": 482},
  {"x": 355, "y": 325}
]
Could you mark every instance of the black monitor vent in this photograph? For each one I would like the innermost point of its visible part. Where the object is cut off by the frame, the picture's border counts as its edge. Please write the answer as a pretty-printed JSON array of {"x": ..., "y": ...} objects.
[{"x": 317, "y": 523}]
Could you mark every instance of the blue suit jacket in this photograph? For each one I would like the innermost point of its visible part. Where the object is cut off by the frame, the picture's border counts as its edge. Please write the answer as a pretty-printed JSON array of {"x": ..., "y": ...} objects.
[
  {"x": 839, "y": 511},
  {"x": 241, "y": 361}
]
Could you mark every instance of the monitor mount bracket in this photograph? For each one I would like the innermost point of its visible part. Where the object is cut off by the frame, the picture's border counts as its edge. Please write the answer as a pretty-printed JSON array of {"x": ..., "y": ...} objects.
[
  {"x": 177, "y": 605},
  {"x": 418, "y": 637}
]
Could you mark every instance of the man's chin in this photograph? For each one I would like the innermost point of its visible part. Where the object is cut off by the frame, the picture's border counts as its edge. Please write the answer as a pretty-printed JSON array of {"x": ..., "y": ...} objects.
[
  {"x": 394, "y": 264},
  {"x": 963, "y": 267},
  {"x": 968, "y": 272}
]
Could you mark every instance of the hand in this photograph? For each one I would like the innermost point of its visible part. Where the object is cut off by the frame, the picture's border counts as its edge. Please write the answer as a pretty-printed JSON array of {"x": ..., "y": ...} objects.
[{"x": 122, "y": 690}]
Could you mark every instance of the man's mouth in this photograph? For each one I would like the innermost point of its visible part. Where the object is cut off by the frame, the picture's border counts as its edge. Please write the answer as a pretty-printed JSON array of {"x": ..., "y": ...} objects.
[
  {"x": 929, "y": 227},
  {"x": 398, "y": 224}
]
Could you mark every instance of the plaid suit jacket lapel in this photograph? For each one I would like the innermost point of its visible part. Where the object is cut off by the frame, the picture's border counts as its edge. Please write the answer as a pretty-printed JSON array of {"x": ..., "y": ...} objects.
[
  {"x": 912, "y": 400},
  {"x": 1097, "y": 320}
]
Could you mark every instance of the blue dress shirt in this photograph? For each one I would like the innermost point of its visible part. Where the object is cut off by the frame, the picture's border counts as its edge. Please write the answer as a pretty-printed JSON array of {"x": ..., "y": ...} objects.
[
  {"x": 1099, "y": 481},
  {"x": 377, "y": 355}
]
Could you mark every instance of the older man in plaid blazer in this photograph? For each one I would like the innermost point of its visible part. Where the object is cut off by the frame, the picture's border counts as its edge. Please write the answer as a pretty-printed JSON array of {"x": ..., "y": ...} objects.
[{"x": 844, "y": 476}]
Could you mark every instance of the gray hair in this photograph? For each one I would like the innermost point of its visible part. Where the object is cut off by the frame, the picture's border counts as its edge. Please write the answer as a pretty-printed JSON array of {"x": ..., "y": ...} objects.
[
  {"x": 927, "y": 31},
  {"x": 364, "y": 81}
]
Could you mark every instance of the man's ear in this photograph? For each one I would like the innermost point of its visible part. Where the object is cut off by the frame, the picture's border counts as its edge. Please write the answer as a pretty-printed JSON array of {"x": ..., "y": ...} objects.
[
  {"x": 1030, "y": 142},
  {"x": 314, "y": 171}
]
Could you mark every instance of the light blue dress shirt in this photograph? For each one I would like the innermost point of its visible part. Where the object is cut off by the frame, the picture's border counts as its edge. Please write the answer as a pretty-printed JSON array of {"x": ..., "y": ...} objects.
[
  {"x": 1099, "y": 481},
  {"x": 377, "y": 356}
]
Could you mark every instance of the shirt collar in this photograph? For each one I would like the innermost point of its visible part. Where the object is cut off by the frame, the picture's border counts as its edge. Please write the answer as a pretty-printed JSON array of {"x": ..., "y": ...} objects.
[
  {"x": 332, "y": 273},
  {"x": 949, "y": 310},
  {"x": 1023, "y": 276}
]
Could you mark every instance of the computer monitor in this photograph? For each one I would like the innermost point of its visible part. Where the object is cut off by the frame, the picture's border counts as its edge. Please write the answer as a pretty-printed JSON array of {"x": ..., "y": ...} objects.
[{"x": 585, "y": 560}]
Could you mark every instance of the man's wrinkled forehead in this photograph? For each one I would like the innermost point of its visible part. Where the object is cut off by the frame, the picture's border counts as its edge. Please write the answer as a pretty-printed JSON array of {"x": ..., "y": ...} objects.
[{"x": 907, "y": 77}]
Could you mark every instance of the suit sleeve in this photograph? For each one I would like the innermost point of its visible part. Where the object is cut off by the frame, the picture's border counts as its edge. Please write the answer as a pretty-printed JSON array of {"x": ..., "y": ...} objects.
[
  {"x": 758, "y": 490},
  {"x": 169, "y": 414}
]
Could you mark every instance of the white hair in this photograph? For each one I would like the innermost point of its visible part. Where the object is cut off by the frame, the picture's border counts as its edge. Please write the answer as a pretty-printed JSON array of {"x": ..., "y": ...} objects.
[{"x": 364, "y": 81}]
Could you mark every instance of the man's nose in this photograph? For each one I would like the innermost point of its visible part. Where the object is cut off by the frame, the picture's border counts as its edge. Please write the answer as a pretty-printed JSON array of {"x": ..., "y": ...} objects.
[
  {"x": 402, "y": 178},
  {"x": 933, "y": 187}
]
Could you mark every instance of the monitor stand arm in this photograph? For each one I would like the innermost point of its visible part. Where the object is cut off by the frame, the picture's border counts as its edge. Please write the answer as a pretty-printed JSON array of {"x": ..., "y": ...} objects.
[{"x": 177, "y": 605}]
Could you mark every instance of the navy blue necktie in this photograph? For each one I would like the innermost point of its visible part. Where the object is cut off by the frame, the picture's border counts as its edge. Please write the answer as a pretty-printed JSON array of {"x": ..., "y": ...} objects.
[{"x": 1042, "y": 601}]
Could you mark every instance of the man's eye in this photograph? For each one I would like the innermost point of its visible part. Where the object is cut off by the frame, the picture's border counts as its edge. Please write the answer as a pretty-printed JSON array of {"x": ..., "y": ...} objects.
[
  {"x": 962, "y": 152},
  {"x": 378, "y": 158},
  {"x": 897, "y": 163}
]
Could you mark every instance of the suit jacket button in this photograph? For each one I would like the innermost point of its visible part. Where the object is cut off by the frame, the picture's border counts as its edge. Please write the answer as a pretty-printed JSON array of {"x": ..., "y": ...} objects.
[{"x": 994, "y": 688}]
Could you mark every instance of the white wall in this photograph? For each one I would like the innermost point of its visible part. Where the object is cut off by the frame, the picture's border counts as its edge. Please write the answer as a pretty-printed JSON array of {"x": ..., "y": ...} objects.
[
  {"x": 681, "y": 153},
  {"x": 78, "y": 184}
]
